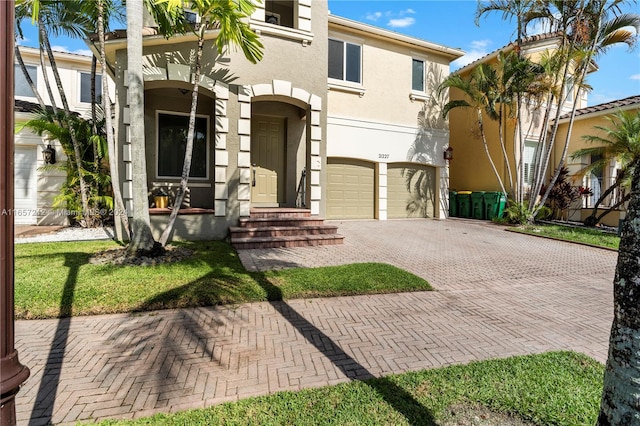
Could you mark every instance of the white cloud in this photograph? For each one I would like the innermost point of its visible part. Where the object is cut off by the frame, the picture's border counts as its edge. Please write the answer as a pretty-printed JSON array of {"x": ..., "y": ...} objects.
[
  {"x": 635, "y": 77},
  {"x": 373, "y": 16},
  {"x": 408, "y": 11},
  {"x": 478, "y": 50},
  {"x": 65, "y": 49},
  {"x": 22, "y": 41},
  {"x": 401, "y": 22}
]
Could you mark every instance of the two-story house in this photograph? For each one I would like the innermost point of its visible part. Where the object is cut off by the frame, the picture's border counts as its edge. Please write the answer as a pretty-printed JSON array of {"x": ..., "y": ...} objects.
[
  {"x": 34, "y": 187},
  {"x": 335, "y": 118}
]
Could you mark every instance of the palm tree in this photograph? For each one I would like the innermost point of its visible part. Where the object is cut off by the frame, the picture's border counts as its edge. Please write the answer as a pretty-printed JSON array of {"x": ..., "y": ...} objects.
[
  {"x": 621, "y": 142},
  {"x": 588, "y": 28},
  {"x": 491, "y": 90},
  {"x": 229, "y": 17},
  {"x": 524, "y": 11},
  {"x": 120, "y": 210},
  {"x": 619, "y": 405},
  {"x": 59, "y": 17}
]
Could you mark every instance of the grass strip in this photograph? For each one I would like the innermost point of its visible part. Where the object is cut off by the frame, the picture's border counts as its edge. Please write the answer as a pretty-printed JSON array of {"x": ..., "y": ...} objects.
[
  {"x": 573, "y": 234},
  {"x": 555, "y": 388},
  {"x": 56, "y": 280}
]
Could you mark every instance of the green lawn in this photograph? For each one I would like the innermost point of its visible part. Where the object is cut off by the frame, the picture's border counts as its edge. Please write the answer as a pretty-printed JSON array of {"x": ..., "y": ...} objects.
[
  {"x": 556, "y": 388},
  {"x": 56, "y": 280},
  {"x": 573, "y": 234}
]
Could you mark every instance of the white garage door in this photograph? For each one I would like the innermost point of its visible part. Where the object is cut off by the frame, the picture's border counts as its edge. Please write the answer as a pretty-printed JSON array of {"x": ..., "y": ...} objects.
[
  {"x": 410, "y": 191},
  {"x": 25, "y": 184},
  {"x": 350, "y": 190}
]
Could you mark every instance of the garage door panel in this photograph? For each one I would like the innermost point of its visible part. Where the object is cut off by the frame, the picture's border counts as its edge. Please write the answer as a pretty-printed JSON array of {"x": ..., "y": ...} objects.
[
  {"x": 403, "y": 198},
  {"x": 25, "y": 185},
  {"x": 350, "y": 192}
]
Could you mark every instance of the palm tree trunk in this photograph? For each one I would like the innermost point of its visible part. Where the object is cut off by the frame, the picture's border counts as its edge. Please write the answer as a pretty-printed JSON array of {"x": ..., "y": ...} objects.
[
  {"x": 45, "y": 74},
  {"x": 27, "y": 77},
  {"x": 486, "y": 150},
  {"x": 620, "y": 403},
  {"x": 186, "y": 167},
  {"x": 84, "y": 189},
  {"x": 142, "y": 241},
  {"x": 94, "y": 117},
  {"x": 120, "y": 211}
]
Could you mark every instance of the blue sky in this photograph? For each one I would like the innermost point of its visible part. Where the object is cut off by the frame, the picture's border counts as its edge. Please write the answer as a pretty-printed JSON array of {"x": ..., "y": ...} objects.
[{"x": 451, "y": 23}]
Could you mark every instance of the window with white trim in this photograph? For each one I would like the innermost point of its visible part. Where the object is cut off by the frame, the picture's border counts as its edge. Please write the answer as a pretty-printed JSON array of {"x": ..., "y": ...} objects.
[
  {"x": 172, "y": 143},
  {"x": 568, "y": 90},
  {"x": 417, "y": 75},
  {"x": 345, "y": 61},
  {"x": 530, "y": 149},
  {"x": 85, "y": 87},
  {"x": 21, "y": 87}
]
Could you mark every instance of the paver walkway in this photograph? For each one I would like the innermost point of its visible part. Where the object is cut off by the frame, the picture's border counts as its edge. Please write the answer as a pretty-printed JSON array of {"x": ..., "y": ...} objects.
[{"x": 500, "y": 294}]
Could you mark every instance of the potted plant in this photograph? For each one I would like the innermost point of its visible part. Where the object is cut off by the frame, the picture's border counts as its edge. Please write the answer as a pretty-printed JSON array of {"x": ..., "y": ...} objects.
[{"x": 161, "y": 199}]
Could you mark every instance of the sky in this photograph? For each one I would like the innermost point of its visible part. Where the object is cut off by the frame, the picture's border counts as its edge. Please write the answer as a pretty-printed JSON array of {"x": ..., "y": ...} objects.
[{"x": 451, "y": 23}]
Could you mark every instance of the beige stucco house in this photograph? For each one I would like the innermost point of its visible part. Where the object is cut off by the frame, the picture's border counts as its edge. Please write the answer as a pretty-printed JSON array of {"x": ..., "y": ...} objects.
[
  {"x": 333, "y": 119},
  {"x": 35, "y": 188},
  {"x": 586, "y": 119}
]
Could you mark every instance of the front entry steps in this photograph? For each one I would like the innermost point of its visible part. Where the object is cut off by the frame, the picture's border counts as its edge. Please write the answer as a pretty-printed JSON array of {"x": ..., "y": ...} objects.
[{"x": 282, "y": 227}]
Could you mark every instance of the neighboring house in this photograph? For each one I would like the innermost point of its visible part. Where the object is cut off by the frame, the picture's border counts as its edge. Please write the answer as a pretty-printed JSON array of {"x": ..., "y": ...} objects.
[
  {"x": 335, "y": 118},
  {"x": 35, "y": 188},
  {"x": 470, "y": 169},
  {"x": 584, "y": 124}
]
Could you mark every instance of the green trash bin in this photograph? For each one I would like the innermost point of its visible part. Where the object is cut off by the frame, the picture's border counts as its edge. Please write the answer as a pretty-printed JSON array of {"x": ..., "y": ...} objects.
[
  {"x": 477, "y": 205},
  {"x": 464, "y": 204},
  {"x": 453, "y": 204},
  {"x": 494, "y": 203},
  {"x": 491, "y": 201}
]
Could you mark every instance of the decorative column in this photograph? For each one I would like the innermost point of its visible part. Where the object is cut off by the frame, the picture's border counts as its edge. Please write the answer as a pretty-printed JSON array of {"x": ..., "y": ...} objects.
[
  {"x": 12, "y": 373},
  {"x": 315, "y": 104},
  {"x": 382, "y": 191},
  {"x": 221, "y": 190},
  {"x": 244, "y": 154}
]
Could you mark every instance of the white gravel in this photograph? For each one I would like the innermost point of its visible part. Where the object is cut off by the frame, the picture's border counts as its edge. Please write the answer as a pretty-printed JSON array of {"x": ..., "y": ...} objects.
[{"x": 70, "y": 234}]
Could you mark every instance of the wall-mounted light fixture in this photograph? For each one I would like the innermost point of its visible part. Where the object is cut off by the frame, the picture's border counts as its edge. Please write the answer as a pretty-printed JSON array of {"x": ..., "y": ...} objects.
[
  {"x": 448, "y": 154},
  {"x": 49, "y": 155}
]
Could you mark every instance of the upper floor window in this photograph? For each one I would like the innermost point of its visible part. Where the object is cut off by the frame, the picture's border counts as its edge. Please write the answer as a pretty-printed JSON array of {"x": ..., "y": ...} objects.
[
  {"x": 417, "y": 75},
  {"x": 568, "y": 90},
  {"x": 280, "y": 12},
  {"x": 21, "y": 86},
  {"x": 85, "y": 87},
  {"x": 345, "y": 61}
]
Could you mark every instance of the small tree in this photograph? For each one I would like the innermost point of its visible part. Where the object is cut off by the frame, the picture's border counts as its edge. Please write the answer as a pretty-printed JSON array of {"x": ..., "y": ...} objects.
[{"x": 564, "y": 194}]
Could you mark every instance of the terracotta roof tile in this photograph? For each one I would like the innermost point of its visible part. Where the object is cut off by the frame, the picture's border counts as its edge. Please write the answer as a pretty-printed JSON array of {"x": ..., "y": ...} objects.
[{"x": 618, "y": 103}]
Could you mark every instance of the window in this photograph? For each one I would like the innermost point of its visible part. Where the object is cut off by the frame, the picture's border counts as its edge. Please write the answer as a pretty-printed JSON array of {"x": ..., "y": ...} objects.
[
  {"x": 595, "y": 180},
  {"x": 21, "y": 86},
  {"x": 280, "y": 12},
  {"x": 172, "y": 143},
  {"x": 568, "y": 90},
  {"x": 85, "y": 87},
  {"x": 344, "y": 61},
  {"x": 417, "y": 76},
  {"x": 530, "y": 149}
]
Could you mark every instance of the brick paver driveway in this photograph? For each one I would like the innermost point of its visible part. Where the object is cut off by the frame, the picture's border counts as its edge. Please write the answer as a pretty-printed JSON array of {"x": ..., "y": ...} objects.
[{"x": 499, "y": 294}]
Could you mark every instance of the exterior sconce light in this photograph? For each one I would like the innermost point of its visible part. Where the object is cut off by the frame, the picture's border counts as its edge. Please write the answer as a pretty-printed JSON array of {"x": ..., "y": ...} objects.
[
  {"x": 448, "y": 154},
  {"x": 49, "y": 155}
]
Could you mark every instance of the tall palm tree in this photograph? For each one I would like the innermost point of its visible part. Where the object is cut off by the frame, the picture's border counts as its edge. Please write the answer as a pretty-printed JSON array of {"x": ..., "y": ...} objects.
[
  {"x": 59, "y": 17},
  {"x": 524, "y": 11},
  {"x": 620, "y": 404},
  {"x": 481, "y": 98},
  {"x": 229, "y": 18},
  {"x": 589, "y": 28},
  {"x": 492, "y": 90},
  {"x": 620, "y": 141}
]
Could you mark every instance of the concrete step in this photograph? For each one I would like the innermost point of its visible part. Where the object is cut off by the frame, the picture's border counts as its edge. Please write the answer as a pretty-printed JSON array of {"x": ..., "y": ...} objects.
[
  {"x": 260, "y": 222},
  {"x": 281, "y": 231},
  {"x": 286, "y": 241},
  {"x": 279, "y": 212}
]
